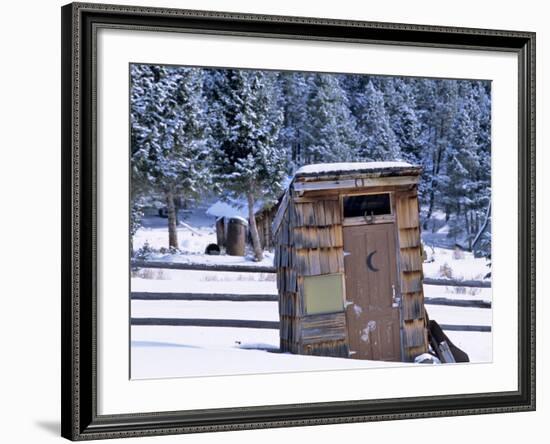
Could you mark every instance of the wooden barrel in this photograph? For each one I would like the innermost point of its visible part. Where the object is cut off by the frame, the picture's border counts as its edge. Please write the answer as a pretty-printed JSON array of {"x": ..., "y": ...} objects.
[
  {"x": 236, "y": 236},
  {"x": 220, "y": 231}
]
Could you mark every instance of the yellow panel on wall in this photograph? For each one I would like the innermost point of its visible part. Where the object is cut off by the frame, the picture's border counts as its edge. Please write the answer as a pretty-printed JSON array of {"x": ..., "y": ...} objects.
[{"x": 324, "y": 294}]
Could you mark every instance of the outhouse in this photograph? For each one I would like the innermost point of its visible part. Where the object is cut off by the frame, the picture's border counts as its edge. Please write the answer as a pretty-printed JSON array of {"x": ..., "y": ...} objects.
[{"x": 349, "y": 262}]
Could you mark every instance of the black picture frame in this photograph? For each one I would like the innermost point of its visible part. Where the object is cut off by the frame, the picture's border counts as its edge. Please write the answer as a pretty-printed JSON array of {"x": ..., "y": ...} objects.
[{"x": 79, "y": 170}]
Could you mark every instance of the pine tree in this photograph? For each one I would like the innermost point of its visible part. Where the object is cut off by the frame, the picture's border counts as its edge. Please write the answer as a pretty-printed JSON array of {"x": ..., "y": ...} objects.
[
  {"x": 462, "y": 170},
  {"x": 400, "y": 104},
  {"x": 377, "y": 140},
  {"x": 296, "y": 130},
  {"x": 246, "y": 160},
  {"x": 331, "y": 135},
  {"x": 438, "y": 118},
  {"x": 169, "y": 133}
]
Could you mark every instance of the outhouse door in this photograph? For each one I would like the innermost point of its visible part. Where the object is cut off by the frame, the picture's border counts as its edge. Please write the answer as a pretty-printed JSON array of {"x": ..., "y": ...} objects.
[{"x": 372, "y": 312}]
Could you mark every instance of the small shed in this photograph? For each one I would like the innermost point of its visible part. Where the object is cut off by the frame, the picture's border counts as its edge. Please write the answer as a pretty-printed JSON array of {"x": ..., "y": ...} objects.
[{"x": 349, "y": 262}]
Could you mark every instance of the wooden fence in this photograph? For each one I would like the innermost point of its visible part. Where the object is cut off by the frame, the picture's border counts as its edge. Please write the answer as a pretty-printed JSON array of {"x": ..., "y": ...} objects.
[{"x": 245, "y": 323}]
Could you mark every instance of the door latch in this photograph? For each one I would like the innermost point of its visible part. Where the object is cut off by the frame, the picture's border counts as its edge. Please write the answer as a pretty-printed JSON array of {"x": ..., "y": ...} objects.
[{"x": 395, "y": 300}]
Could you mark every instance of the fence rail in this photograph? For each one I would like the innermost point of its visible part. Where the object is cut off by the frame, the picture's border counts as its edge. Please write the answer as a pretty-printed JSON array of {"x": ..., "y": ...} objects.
[
  {"x": 149, "y": 296},
  {"x": 457, "y": 283},
  {"x": 272, "y": 325},
  {"x": 152, "y": 296},
  {"x": 194, "y": 322},
  {"x": 244, "y": 323},
  {"x": 197, "y": 266}
]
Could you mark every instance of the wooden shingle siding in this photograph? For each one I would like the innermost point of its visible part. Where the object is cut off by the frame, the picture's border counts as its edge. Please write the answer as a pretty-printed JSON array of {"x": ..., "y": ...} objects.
[
  {"x": 310, "y": 243},
  {"x": 337, "y": 349},
  {"x": 411, "y": 275},
  {"x": 317, "y": 261},
  {"x": 413, "y": 306},
  {"x": 409, "y": 238},
  {"x": 413, "y": 352},
  {"x": 308, "y": 227},
  {"x": 318, "y": 237},
  {"x": 289, "y": 300},
  {"x": 407, "y": 210},
  {"x": 413, "y": 333},
  {"x": 411, "y": 259},
  {"x": 317, "y": 213},
  {"x": 411, "y": 282}
]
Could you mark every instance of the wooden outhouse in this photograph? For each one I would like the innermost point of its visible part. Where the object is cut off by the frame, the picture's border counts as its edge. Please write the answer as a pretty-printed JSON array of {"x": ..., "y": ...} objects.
[{"x": 349, "y": 262}]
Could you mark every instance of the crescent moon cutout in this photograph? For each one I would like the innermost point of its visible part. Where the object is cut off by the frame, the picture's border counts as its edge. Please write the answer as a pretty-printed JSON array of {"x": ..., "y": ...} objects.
[{"x": 369, "y": 261}]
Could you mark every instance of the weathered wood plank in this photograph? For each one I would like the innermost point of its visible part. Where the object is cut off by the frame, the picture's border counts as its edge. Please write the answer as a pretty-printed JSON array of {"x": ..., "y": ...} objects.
[
  {"x": 314, "y": 263},
  {"x": 318, "y": 237},
  {"x": 320, "y": 335},
  {"x": 478, "y": 328},
  {"x": 281, "y": 211},
  {"x": 409, "y": 237},
  {"x": 319, "y": 210},
  {"x": 268, "y": 269},
  {"x": 337, "y": 348},
  {"x": 203, "y": 266},
  {"x": 411, "y": 282},
  {"x": 470, "y": 303},
  {"x": 183, "y": 322},
  {"x": 412, "y": 306},
  {"x": 319, "y": 320},
  {"x": 355, "y": 183},
  {"x": 411, "y": 260},
  {"x": 413, "y": 333},
  {"x": 371, "y": 172},
  {"x": 457, "y": 283},
  {"x": 412, "y": 352},
  {"x": 407, "y": 212},
  {"x": 302, "y": 262},
  {"x": 308, "y": 199},
  {"x": 246, "y": 323},
  {"x": 324, "y": 259},
  {"x": 446, "y": 353},
  {"x": 307, "y": 214},
  {"x": 151, "y": 296}
]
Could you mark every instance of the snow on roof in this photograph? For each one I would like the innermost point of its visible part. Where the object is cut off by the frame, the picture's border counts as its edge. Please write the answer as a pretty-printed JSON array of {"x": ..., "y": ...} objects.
[
  {"x": 341, "y": 167},
  {"x": 223, "y": 209},
  {"x": 233, "y": 210}
]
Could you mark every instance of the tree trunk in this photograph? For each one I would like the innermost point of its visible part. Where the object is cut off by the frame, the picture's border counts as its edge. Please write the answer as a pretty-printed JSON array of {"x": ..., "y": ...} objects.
[
  {"x": 436, "y": 160},
  {"x": 484, "y": 226},
  {"x": 468, "y": 228},
  {"x": 256, "y": 245},
  {"x": 172, "y": 220}
]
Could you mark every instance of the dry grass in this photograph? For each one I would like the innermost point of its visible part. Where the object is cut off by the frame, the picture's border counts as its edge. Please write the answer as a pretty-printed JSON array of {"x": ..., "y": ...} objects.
[
  {"x": 221, "y": 277},
  {"x": 149, "y": 273},
  {"x": 458, "y": 254},
  {"x": 446, "y": 271}
]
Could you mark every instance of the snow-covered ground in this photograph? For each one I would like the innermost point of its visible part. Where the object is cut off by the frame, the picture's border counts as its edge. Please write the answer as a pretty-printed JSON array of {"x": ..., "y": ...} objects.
[
  {"x": 169, "y": 351},
  {"x": 454, "y": 264},
  {"x": 166, "y": 351},
  {"x": 205, "y": 282}
]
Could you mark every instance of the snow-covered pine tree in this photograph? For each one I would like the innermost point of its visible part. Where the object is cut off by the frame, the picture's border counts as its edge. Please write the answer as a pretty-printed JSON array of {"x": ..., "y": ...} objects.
[
  {"x": 400, "y": 104},
  {"x": 331, "y": 134},
  {"x": 482, "y": 94},
  {"x": 296, "y": 130},
  {"x": 469, "y": 165},
  {"x": 463, "y": 169},
  {"x": 170, "y": 135},
  {"x": 354, "y": 85},
  {"x": 246, "y": 159},
  {"x": 377, "y": 141},
  {"x": 439, "y": 98}
]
